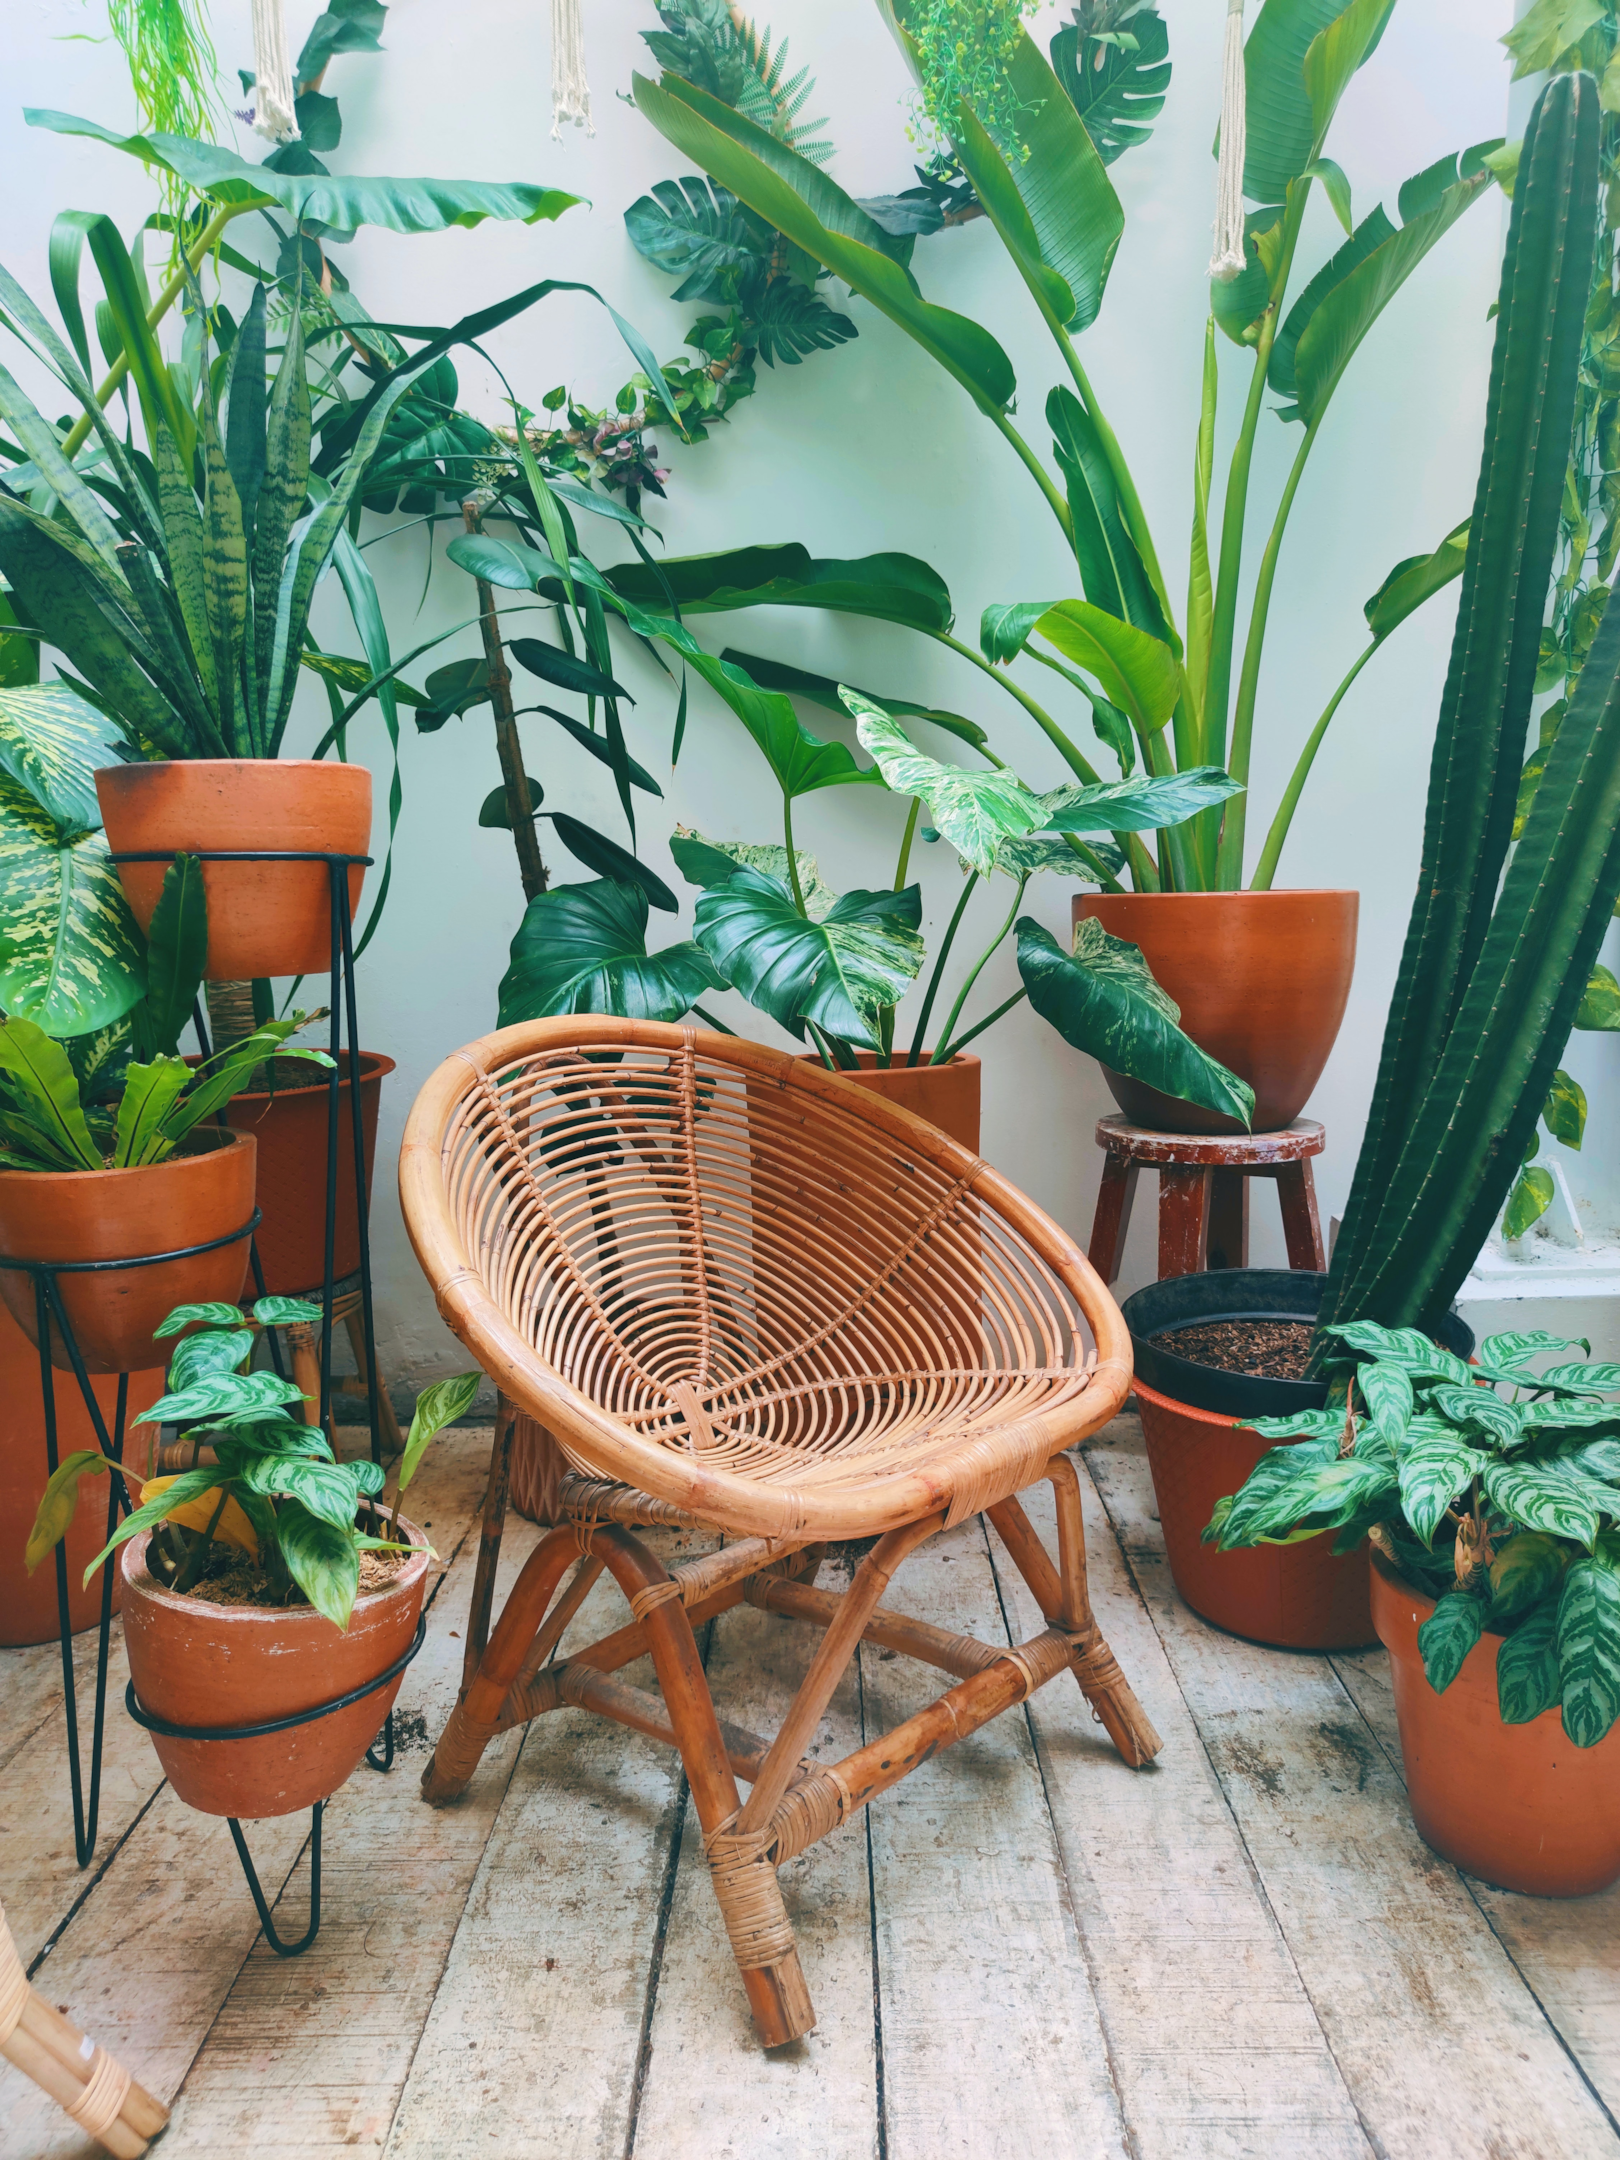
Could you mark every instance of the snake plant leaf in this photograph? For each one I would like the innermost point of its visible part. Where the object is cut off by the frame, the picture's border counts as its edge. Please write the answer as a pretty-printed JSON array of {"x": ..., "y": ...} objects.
[
  {"x": 176, "y": 955},
  {"x": 225, "y": 576},
  {"x": 1103, "y": 1000},
  {"x": 341, "y": 203},
  {"x": 1414, "y": 580},
  {"x": 1147, "y": 804},
  {"x": 247, "y": 409},
  {"x": 150, "y": 1093},
  {"x": 1529, "y": 1565},
  {"x": 1432, "y": 1473},
  {"x": 40, "y": 440},
  {"x": 1541, "y": 1497},
  {"x": 321, "y": 1558},
  {"x": 800, "y": 201},
  {"x": 890, "y": 587},
  {"x": 1588, "y": 1634},
  {"x": 839, "y": 973},
  {"x": 70, "y": 954},
  {"x": 279, "y": 500},
  {"x": 1138, "y": 673},
  {"x": 823, "y": 690},
  {"x": 1528, "y": 1674},
  {"x": 583, "y": 949},
  {"x": 438, "y": 1405},
  {"x": 609, "y": 860},
  {"x": 1284, "y": 129},
  {"x": 1117, "y": 88},
  {"x": 40, "y": 1077},
  {"x": 974, "y": 811},
  {"x": 1449, "y": 1633},
  {"x": 1111, "y": 568},
  {"x": 711, "y": 862}
]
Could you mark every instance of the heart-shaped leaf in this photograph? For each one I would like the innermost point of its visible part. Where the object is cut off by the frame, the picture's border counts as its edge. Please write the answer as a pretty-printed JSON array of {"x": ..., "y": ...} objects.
[
  {"x": 974, "y": 811},
  {"x": 839, "y": 972},
  {"x": 583, "y": 949}
]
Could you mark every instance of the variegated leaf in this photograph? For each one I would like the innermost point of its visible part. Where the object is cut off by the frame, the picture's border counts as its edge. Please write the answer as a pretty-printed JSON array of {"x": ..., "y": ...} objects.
[
  {"x": 1410, "y": 1347},
  {"x": 1543, "y": 1499},
  {"x": 70, "y": 954},
  {"x": 1479, "y": 1408},
  {"x": 51, "y": 743},
  {"x": 1526, "y": 1568},
  {"x": 1386, "y": 1389},
  {"x": 1527, "y": 1674},
  {"x": 1432, "y": 1474},
  {"x": 1589, "y": 1648},
  {"x": 1448, "y": 1635},
  {"x": 974, "y": 811}
]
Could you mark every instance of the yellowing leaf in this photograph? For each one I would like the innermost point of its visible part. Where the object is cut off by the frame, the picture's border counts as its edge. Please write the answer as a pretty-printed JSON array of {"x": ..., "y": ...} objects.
[{"x": 233, "y": 1527}]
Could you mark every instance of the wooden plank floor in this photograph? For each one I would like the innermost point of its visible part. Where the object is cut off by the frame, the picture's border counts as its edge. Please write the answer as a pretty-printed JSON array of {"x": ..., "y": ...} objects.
[{"x": 1025, "y": 1948}]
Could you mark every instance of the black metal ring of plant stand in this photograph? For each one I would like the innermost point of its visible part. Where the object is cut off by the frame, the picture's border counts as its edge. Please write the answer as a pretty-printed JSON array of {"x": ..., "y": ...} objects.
[
  {"x": 154, "y": 1724},
  {"x": 49, "y": 1313}
]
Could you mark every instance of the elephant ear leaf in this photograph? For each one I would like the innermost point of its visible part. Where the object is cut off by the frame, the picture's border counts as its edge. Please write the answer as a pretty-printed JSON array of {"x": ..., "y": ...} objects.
[
  {"x": 838, "y": 973},
  {"x": 1103, "y": 1000},
  {"x": 975, "y": 812},
  {"x": 583, "y": 949}
]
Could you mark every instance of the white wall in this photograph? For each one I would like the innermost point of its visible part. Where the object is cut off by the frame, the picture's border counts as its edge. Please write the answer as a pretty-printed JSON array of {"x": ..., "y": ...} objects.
[{"x": 871, "y": 447}]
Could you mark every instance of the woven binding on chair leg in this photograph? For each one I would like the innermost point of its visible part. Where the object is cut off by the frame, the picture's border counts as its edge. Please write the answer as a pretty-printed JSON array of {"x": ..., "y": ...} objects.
[{"x": 750, "y": 1896}]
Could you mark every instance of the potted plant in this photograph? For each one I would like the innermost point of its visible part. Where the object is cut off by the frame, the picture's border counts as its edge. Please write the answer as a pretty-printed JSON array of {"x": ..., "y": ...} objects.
[
  {"x": 1492, "y": 1494},
  {"x": 1030, "y": 146},
  {"x": 261, "y": 1583}
]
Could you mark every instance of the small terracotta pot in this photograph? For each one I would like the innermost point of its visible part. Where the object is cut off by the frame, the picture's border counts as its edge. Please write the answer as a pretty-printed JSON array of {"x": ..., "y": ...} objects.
[
  {"x": 946, "y": 1095},
  {"x": 194, "y": 1663},
  {"x": 28, "y": 1602},
  {"x": 1518, "y": 1805},
  {"x": 289, "y": 1125},
  {"x": 263, "y": 918},
  {"x": 1299, "y": 1597},
  {"x": 118, "y": 1215},
  {"x": 1262, "y": 979}
]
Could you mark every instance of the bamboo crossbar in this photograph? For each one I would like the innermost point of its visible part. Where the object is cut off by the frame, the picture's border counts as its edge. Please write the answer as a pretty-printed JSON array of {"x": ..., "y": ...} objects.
[
  {"x": 960, "y": 1655},
  {"x": 646, "y": 1713}
]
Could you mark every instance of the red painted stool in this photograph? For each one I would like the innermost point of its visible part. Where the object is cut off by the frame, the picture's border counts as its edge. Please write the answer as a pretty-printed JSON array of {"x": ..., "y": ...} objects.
[{"x": 1204, "y": 1194}]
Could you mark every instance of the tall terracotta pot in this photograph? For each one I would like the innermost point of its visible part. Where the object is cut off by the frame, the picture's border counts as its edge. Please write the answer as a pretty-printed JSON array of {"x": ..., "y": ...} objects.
[
  {"x": 1519, "y": 1805},
  {"x": 195, "y": 1663},
  {"x": 190, "y": 1199},
  {"x": 28, "y": 1602},
  {"x": 264, "y": 918},
  {"x": 1262, "y": 979},
  {"x": 946, "y": 1095},
  {"x": 289, "y": 1127}
]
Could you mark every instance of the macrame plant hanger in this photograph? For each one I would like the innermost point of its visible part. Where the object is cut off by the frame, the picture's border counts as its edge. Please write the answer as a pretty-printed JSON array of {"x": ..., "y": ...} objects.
[
  {"x": 1227, "y": 261},
  {"x": 570, "y": 92},
  {"x": 273, "y": 115}
]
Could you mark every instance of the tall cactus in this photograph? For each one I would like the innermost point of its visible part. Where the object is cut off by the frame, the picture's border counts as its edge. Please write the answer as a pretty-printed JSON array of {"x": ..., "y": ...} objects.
[{"x": 1489, "y": 981}]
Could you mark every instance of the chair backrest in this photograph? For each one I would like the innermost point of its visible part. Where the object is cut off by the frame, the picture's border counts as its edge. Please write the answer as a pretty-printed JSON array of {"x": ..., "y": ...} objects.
[{"x": 724, "y": 1277}]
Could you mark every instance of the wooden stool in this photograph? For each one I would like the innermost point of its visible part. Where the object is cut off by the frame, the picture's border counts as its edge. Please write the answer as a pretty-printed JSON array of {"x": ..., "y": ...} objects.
[
  {"x": 305, "y": 1343},
  {"x": 1204, "y": 1194}
]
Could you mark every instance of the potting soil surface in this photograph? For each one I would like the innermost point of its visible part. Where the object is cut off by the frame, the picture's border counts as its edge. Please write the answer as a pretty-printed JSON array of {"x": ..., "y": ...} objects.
[
  {"x": 232, "y": 1578},
  {"x": 1269, "y": 1349}
]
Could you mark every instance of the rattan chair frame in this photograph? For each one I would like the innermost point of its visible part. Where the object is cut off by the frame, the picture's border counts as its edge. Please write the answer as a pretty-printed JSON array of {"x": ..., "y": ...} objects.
[{"x": 911, "y": 1244}]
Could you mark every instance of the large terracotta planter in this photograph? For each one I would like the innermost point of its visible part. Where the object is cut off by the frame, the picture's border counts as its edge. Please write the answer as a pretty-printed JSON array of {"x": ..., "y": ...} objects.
[
  {"x": 1299, "y": 1597},
  {"x": 946, "y": 1095},
  {"x": 263, "y": 918},
  {"x": 1262, "y": 980},
  {"x": 28, "y": 1602},
  {"x": 199, "y": 1664},
  {"x": 1519, "y": 1805},
  {"x": 192, "y": 1198},
  {"x": 289, "y": 1126}
]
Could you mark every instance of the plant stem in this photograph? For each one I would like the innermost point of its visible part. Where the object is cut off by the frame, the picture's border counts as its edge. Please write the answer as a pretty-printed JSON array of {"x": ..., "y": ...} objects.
[
  {"x": 932, "y": 992},
  {"x": 1054, "y": 501},
  {"x": 977, "y": 969},
  {"x": 1266, "y": 868},
  {"x": 508, "y": 746},
  {"x": 1070, "y": 753},
  {"x": 793, "y": 860},
  {"x": 74, "y": 439},
  {"x": 710, "y": 1020},
  {"x": 820, "y": 1042},
  {"x": 1130, "y": 501},
  {"x": 1229, "y": 859},
  {"x": 199, "y": 1551},
  {"x": 904, "y": 864},
  {"x": 971, "y": 1034}
]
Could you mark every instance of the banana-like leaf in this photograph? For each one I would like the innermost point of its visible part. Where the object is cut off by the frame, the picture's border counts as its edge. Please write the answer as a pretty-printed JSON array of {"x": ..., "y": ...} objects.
[
  {"x": 1005, "y": 626},
  {"x": 974, "y": 811},
  {"x": 341, "y": 203},
  {"x": 1144, "y": 805},
  {"x": 1138, "y": 673},
  {"x": 1103, "y": 1000},
  {"x": 893, "y": 588},
  {"x": 838, "y": 973},
  {"x": 1283, "y": 132},
  {"x": 1415, "y": 580},
  {"x": 37, "y": 1072},
  {"x": 1334, "y": 55},
  {"x": 1546, "y": 30},
  {"x": 814, "y": 212},
  {"x": 1111, "y": 568},
  {"x": 710, "y": 862},
  {"x": 1588, "y": 1631},
  {"x": 583, "y": 949}
]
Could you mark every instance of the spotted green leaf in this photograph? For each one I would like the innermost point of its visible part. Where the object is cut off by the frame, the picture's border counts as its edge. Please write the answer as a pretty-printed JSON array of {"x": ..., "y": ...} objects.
[
  {"x": 70, "y": 955},
  {"x": 52, "y": 742}
]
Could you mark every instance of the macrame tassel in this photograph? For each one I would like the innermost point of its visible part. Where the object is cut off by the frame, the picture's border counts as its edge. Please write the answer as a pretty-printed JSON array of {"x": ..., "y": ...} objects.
[
  {"x": 273, "y": 115},
  {"x": 1227, "y": 261},
  {"x": 570, "y": 92}
]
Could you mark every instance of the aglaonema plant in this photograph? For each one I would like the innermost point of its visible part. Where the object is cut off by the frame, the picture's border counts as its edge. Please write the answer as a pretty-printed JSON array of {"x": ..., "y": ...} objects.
[
  {"x": 1178, "y": 688},
  {"x": 1494, "y": 1487}
]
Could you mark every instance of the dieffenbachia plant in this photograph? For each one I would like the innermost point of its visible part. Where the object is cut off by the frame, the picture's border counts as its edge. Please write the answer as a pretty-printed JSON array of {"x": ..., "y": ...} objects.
[
  {"x": 1494, "y": 1488},
  {"x": 1179, "y": 689}
]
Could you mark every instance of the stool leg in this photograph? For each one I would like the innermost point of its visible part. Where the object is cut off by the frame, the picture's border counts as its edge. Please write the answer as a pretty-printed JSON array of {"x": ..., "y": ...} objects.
[
  {"x": 1228, "y": 1219},
  {"x": 1113, "y": 1217},
  {"x": 1302, "y": 1226},
  {"x": 393, "y": 1439},
  {"x": 306, "y": 1369},
  {"x": 1183, "y": 1220}
]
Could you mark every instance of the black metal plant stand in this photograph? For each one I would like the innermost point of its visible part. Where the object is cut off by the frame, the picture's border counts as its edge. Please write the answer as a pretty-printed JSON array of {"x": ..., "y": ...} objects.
[{"x": 50, "y": 1311}]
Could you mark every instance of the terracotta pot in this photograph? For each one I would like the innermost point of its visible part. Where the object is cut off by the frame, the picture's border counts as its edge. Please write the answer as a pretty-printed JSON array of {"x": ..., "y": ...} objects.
[
  {"x": 1519, "y": 1805},
  {"x": 194, "y": 1663},
  {"x": 1297, "y": 1596},
  {"x": 28, "y": 1602},
  {"x": 263, "y": 918},
  {"x": 120, "y": 1214},
  {"x": 947, "y": 1095},
  {"x": 289, "y": 1125},
  {"x": 1261, "y": 979}
]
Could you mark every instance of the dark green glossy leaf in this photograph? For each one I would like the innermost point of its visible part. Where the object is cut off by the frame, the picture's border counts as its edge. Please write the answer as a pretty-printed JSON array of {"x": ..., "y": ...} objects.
[
  {"x": 824, "y": 690},
  {"x": 583, "y": 949},
  {"x": 1526, "y": 1568},
  {"x": 893, "y": 588},
  {"x": 1588, "y": 1632},
  {"x": 1118, "y": 89},
  {"x": 1449, "y": 1633},
  {"x": 840, "y": 972},
  {"x": 553, "y": 665},
  {"x": 1111, "y": 568},
  {"x": 597, "y": 852},
  {"x": 1527, "y": 1671}
]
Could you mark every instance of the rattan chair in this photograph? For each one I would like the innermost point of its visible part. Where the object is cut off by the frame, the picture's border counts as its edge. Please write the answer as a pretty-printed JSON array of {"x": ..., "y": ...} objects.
[{"x": 741, "y": 1293}]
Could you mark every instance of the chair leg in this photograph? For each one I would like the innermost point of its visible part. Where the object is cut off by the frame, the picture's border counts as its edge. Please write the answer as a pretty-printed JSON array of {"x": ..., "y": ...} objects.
[
  {"x": 1183, "y": 1220},
  {"x": 1302, "y": 1226},
  {"x": 1065, "y": 1601},
  {"x": 489, "y": 1540},
  {"x": 1113, "y": 1217}
]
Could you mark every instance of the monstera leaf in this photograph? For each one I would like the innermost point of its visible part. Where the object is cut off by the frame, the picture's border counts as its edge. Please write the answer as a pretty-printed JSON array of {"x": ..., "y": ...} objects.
[
  {"x": 1102, "y": 999},
  {"x": 839, "y": 973},
  {"x": 974, "y": 811},
  {"x": 583, "y": 949}
]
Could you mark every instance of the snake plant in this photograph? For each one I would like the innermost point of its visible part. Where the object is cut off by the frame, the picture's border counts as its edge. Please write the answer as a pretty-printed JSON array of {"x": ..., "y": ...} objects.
[{"x": 1498, "y": 952}]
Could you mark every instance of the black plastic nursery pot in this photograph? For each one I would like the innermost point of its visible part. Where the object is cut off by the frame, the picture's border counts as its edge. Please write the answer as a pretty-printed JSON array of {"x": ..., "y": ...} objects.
[{"x": 1298, "y": 1597}]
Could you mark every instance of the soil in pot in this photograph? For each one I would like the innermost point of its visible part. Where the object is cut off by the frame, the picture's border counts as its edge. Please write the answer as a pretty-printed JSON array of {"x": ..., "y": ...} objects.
[
  {"x": 201, "y": 1193},
  {"x": 1262, "y": 979},
  {"x": 946, "y": 1095},
  {"x": 201, "y": 1663},
  {"x": 1518, "y": 1805},
  {"x": 264, "y": 918},
  {"x": 1265, "y": 1349}
]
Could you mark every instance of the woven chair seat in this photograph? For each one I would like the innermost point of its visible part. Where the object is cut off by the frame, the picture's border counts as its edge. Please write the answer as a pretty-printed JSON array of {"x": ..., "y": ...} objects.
[{"x": 728, "y": 1280}]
